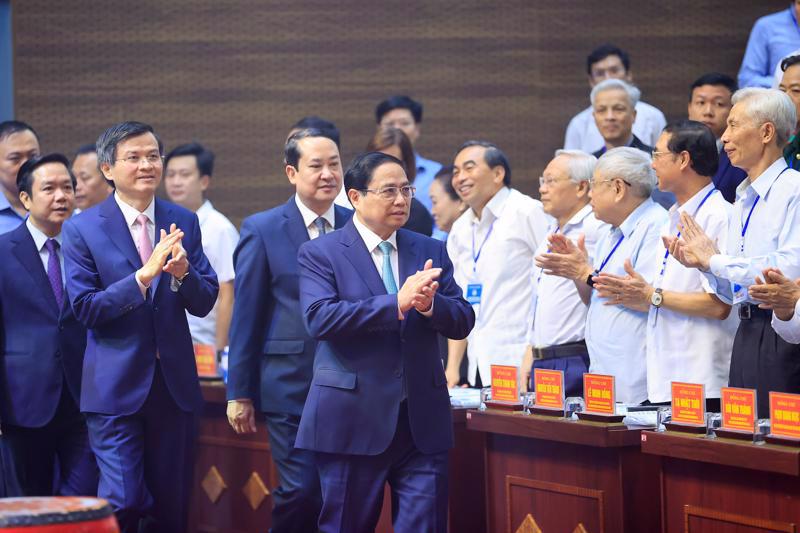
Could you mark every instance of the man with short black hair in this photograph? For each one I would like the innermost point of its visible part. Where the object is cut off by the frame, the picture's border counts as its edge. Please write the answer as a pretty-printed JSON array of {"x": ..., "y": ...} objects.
[
  {"x": 92, "y": 187},
  {"x": 134, "y": 266},
  {"x": 404, "y": 113},
  {"x": 189, "y": 168},
  {"x": 710, "y": 103},
  {"x": 43, "y": 343},
  {"x": 610, "y": 62},
  {"x": 271, "y": 353},
  {"x": 18, "y": 143},
  {"x": 330, "y": 131}
]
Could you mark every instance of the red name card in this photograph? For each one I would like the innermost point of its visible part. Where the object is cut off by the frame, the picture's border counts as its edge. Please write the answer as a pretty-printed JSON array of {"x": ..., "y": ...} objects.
[
  {"x": 599, "y": 394},
  {"x": 205, "y": 356},
  {"x": 549, "y": 387},
  {"x": 505, "y": 383},
  {"x": 688, "y": 403},
  {"x": 784, "y": 414},
  {"x": 738, "y": 409}
]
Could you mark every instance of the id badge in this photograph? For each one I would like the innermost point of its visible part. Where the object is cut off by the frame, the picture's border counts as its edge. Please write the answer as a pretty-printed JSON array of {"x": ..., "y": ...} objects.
[
  {"x": 474, "y": 291},
  {"x": 739, "y": 293}
]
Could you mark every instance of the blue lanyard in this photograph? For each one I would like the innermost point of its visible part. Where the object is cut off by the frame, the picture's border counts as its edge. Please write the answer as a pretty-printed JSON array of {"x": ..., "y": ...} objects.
[
  {"x": 614, "y": 249},
  {"x": 476, "y": 256},
  {"x": 678, "y": 236},
  {"x": 747, "y": 221}
]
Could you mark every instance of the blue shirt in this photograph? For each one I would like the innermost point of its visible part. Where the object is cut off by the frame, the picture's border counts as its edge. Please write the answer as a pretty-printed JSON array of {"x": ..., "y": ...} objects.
[
  {"x": 773, "y": 37},
  {"x": 9, "y": 219},
  {"x": 426, "y": 170},
  {"x": 615, "y": 335}
]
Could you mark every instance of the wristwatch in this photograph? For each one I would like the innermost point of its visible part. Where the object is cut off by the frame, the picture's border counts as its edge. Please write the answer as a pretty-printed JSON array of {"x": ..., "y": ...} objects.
[
  {"x": 657, "y": 298},
  {"x": 590, "y": 280}
]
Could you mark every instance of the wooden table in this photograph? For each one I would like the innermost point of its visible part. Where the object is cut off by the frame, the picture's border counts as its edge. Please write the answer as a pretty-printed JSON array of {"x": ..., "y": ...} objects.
[
  {"x": 724, "y": 485},
  {"x": 234, "y": 475},
  {"x": 560, "y": 476}
]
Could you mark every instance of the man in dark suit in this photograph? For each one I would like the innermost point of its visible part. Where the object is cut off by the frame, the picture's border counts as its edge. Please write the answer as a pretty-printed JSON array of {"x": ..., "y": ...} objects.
[
  {"x": 710, "y": 103},
  {"x": 378, "y": 409},
  {"x": 40, "y": 378},
  {"x": 135, "y": 265},
  {"x": 271, "y": 354}
]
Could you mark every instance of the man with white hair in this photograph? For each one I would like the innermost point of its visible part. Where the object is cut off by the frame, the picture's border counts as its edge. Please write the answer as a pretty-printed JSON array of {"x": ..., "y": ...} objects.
[
  {"x": 615, "y": 335},
  {"x": 614, "y": 109},
  {"x": 764, "y": 232},
  {"x": 558, "y": 315}
]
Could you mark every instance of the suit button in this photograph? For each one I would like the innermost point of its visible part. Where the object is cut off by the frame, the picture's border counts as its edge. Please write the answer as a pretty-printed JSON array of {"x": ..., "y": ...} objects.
[
  {"x": 155, "y": 309},
  {"x": 58, "y": 354},
  {"x": 397, "y": 373},
  {"x": 60, "y": 328}
]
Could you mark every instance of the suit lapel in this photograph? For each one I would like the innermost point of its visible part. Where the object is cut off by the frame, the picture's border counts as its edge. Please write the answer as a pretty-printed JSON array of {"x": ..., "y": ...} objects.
[
  {"x": 293, "y": 223},
  {"x": 118, "y": 231},
  {"x": 341, "y": 216},
  {"x": 356, "y": 252},
  {"x": 164, "y": 217},
  {"x": 26, "y": 253},
  {"x": 408, "y": 262}
]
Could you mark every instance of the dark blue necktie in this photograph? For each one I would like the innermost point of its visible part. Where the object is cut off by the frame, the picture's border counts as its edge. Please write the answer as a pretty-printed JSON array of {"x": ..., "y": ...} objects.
[{"x": 54, "y": 271}]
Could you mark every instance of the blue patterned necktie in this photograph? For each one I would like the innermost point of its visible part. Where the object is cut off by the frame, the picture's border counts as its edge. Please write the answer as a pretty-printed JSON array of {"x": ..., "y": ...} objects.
[
  {"x": 320, "y": 223},
  {"x": 54, "y": 271},
  {"x": 388, "y": 274}
]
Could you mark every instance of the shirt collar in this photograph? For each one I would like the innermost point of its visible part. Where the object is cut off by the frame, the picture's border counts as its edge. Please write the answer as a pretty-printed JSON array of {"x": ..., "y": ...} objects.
[
  {"x": 131, "y": 213},
  {"x": 369, "y": 237},
  {"x": 493, "y": 206},
  {"x": 6, "y": 205},
  {"x": 204, "y": 211},
  {"x": 310, "y": 216},
  {"x": 40, "y": 238},
  {"x": 578, "y": 217},
  {"x": 763, "y": 183},
  {"x": 636, "y": 215},
  {"x": 692, "y": 204}
]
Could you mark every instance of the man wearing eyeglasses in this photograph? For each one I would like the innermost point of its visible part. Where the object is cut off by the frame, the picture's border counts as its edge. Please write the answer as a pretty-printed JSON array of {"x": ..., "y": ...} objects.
[
  {"x": 492, "y": 246},
  {"x": 376, "y": 297},
  {"x": 557, "y": 318},
  {"x": 134, "y": 267},
  {"x": 615, "y": 335},
  {"x": 271, "y": 354}
]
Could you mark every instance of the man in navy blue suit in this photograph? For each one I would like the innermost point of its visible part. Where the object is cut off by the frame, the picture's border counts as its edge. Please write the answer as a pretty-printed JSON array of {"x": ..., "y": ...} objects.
[
  {"x": 271, "y": 354},
  {"x": 710, "y": 103},
  {"x": 135, "y": 265},
  {"x": 376, "y": 297},
  {"x": 42, "y": 343}
]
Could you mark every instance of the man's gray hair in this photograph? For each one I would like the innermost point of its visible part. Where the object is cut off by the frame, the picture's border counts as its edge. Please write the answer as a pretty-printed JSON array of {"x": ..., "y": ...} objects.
[
  {"x": 631, "y": 165},
  {"x": 769, "y": 105},
  {"x": 580, "y": 165},
  {"x": 612, "y": 84}
]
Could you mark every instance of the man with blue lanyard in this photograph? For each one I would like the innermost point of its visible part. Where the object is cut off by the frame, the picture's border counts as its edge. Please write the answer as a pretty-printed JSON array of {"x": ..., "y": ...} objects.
[
  {"x": 764, "y": 232},
  {"x": 615, "y": 335},
  {"x": 689, "y": 329}
]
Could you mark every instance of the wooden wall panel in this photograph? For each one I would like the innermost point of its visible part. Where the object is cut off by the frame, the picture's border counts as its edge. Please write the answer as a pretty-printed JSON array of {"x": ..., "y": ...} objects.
[{"x": 236, "y": 74}]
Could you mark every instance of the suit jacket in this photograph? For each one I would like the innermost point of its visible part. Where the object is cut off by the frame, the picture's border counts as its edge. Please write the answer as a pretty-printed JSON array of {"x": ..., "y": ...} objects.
[
  {"x": 728, "y": 177},
  {"x": 42, "y": 345},
  {"x": 366, "y": 356},
  {"x": 125, "y": 329},
  {"x": 271, "y": 355}
]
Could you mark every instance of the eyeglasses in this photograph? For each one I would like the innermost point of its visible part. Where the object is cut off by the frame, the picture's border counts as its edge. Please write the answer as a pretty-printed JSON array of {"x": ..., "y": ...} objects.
[
  {"x": 550, "y": 181},
  {"x": 136, "y": 160},
  {"x": 593, "y": 183},
  {"x": 390, "y": 193},
  {"x": 657, "y": 154}
]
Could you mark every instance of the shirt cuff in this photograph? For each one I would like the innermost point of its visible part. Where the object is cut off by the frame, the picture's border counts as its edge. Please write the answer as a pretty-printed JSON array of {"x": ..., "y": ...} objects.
[
  {"x": 429, "y": 312},
  {"x": 716, "y": 265},
  {"x": 142, "y": 287}
]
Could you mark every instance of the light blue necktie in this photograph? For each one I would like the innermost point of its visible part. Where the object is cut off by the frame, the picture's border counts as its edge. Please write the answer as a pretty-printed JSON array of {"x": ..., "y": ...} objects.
[
  {"x": 388, "y": 275},
  {"x": 320, "y": 223}
]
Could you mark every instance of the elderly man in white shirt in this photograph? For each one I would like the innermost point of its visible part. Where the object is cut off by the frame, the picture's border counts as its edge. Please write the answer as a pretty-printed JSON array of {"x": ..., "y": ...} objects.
[
  {"x": 558, "y": 315},
  {"x": 615, "y": 335},
  {"x": 764, "y": 232},
  {"x": 689, "y": 329},
  {"x": 492, "y": 247}
]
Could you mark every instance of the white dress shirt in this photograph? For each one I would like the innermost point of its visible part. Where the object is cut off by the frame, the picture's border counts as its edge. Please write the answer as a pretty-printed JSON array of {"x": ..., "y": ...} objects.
[
  {"x": 582, "y": 132},
  {"x": 371, "y": 240},
  {"x": 773, "y": 234},
  {"x": 789, "y": 330},
  {"x": 518, "y": 225},
  {"x": 130, "y": 214},
  {"x": 219, "y": 238},
  {"x": 309, "y": 218},
  {"x": 682, "y": 347},
  {"x": 39, "y": 239},
  {"x": 558, "y": 315},
  {"x": 615, "y": 335}
]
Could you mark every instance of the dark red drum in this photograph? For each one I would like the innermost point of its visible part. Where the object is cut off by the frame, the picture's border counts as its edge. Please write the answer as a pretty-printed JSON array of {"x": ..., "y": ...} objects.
[{"x": 56, "y": 515}]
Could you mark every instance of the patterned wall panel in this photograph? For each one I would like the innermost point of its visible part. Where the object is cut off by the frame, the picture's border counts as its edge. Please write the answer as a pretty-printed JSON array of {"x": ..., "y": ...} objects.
[{"x": 236, "y": 74}]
